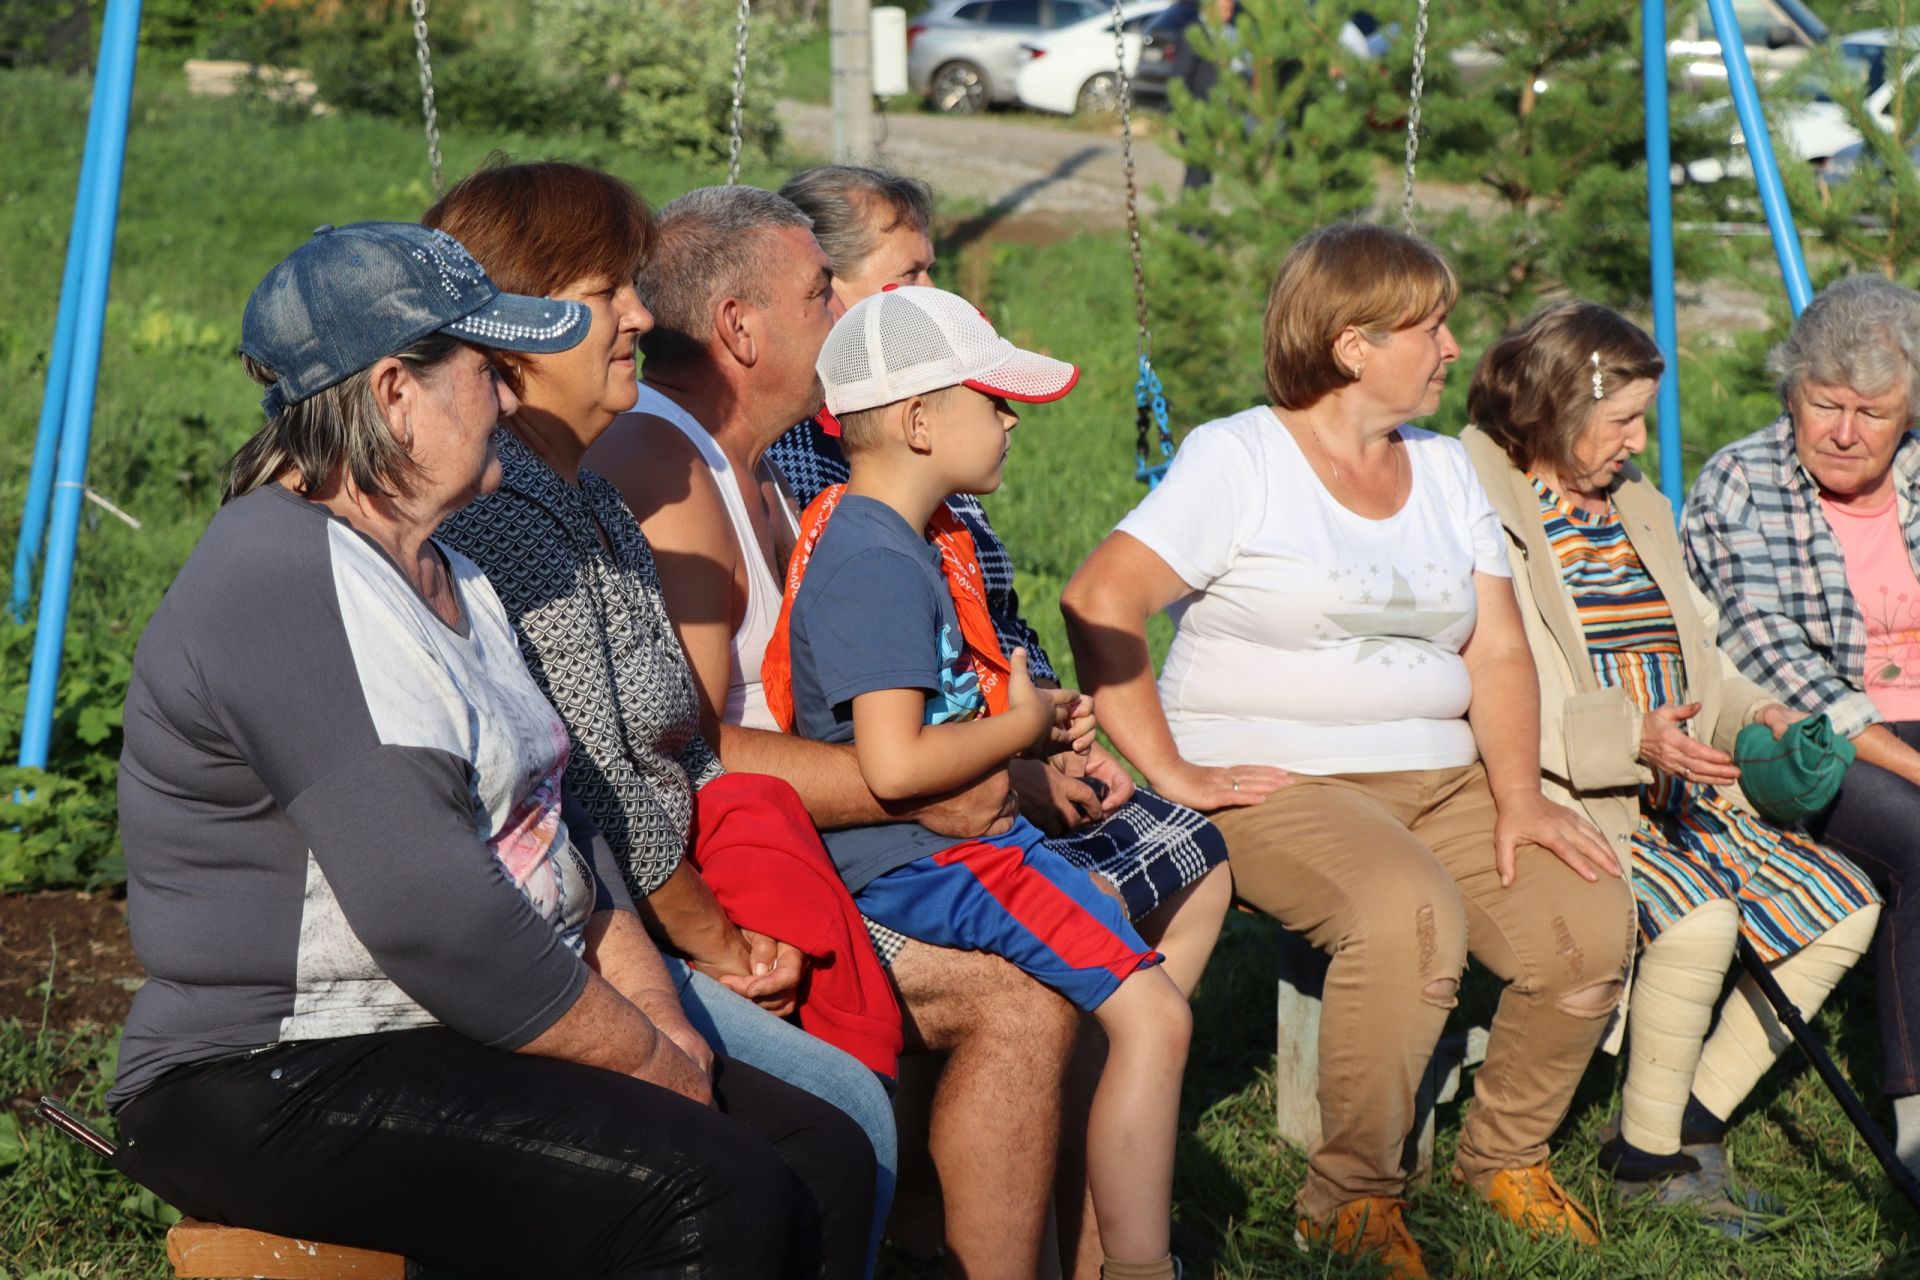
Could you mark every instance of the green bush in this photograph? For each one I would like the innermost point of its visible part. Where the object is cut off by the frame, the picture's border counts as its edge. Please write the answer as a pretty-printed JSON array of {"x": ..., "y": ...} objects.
[
  {"x": 669, "y": 63},
  {"x": 369, "y": 67}
]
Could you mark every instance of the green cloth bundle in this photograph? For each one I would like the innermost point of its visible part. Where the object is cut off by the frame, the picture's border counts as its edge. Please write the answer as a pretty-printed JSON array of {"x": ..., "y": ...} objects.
[{"x": 1797, "y": 776}]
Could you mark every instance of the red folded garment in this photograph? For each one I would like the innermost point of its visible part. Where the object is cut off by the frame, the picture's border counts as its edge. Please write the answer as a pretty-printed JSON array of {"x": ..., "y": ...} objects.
[{"x": 756, "y": 848}]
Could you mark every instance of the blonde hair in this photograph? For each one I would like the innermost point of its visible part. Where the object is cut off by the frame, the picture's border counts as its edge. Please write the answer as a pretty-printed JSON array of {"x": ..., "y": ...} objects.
[
  {"x": 860, "y": 429},
  {"x": 339, "y": 428},
  {"x": 1354, "y": 275}
]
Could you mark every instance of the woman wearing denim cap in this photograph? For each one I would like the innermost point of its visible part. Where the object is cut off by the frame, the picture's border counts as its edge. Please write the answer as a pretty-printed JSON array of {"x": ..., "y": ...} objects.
[
  {"x": 391, "y": 981},
  {"x": 578, "y": 581},
  {"x": 1350, "y": 697},
  {"x": 1804, "y": 537},
  {"x": 1639, "y": 711}
]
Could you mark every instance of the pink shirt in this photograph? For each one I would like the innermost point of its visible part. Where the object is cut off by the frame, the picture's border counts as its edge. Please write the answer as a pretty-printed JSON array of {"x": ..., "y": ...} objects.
[{"x": 1881, "y": 577}]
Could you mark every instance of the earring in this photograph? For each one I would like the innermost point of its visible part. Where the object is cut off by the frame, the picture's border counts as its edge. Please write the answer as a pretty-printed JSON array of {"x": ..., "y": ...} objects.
[
  {"x": 1357, "y": 370},
  {"x": 1599, "y": 388}
]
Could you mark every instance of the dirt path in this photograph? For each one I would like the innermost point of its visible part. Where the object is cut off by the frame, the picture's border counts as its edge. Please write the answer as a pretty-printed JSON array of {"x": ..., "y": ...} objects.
[
  {"x": 1040, "y": 181},
  {"x": 1016, "y": 166}
]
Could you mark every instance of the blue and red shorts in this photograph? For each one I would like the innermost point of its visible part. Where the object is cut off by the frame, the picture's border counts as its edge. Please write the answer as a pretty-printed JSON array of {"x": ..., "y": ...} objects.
[{"x": 1013, "y": 897}]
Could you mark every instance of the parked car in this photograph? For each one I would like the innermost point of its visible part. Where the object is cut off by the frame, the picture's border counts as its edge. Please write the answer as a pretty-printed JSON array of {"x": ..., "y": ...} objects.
[
  {"x": 1164, "y": 51},
  {"x": 1810, "y": 125},
  {"x": 1777, "y": 35},
  {"x": 963, "y": 55},
  {"x": 1074, "y": 69},
  {"x": 1160, "y": 43},
  {"x": 1816, "y": 127}
]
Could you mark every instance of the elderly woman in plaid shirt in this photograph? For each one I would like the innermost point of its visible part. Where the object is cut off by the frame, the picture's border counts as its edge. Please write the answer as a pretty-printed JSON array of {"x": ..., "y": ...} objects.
[{"x": 1803, "y": 535}]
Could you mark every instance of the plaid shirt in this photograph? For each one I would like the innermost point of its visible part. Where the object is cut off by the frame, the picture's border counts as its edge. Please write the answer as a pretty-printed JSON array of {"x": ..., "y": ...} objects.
[{"x": 1759, "y": 546}]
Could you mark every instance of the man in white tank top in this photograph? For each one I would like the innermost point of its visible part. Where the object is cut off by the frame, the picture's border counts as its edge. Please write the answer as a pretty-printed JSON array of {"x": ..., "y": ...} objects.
[{"x": 742, "y": 299}]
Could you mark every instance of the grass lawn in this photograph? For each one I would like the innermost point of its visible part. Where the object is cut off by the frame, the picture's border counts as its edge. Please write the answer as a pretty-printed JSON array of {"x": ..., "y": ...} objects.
[{"x": 217, "y": 191}]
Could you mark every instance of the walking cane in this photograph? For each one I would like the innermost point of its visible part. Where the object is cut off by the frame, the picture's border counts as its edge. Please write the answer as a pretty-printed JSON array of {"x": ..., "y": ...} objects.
[{"x": 1809, "y": 1042}]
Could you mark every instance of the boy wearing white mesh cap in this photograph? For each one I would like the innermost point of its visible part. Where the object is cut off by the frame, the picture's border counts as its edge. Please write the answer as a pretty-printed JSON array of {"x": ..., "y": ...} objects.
[{"x": 885, "y": 640}]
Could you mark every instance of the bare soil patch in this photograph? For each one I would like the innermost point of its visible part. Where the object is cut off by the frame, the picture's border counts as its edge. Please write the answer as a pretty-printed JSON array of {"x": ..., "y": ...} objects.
[{"x": 66, "y": 957}]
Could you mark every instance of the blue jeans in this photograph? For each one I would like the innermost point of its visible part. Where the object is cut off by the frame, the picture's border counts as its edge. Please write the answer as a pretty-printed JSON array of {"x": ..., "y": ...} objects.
[{"x": 739, "y": 1028}]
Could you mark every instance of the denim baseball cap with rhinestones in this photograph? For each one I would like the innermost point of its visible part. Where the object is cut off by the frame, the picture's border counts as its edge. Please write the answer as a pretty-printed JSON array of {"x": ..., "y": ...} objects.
[{"x": 353, "y": 295}]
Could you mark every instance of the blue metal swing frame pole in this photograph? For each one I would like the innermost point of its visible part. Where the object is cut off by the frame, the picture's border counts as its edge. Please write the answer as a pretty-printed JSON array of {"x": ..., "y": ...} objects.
[
  {"x": 1766, "y": 166},
  {"x": 1653, "y": 57},
  {"x": 100, "y": 188},
  {"x": 1766, "y": 176},
  {"x": 46, "y": 442}
]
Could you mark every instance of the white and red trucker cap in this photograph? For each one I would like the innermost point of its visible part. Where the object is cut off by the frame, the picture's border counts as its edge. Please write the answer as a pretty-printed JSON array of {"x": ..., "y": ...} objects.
[{"x": 909, "y": 339}]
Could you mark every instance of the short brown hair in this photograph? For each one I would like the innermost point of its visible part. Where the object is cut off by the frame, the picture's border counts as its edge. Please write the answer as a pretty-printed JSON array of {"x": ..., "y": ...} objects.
[
  {"x": 1533, "y": 390},
  {"x": 715, "y": 243},
  {"x": 539, "y": 227},
  {"x": 1350, "y": 275}
]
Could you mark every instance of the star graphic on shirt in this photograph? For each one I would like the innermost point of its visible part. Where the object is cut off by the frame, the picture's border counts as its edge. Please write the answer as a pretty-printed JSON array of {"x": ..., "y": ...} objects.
[{"x": 1399, "y": 618}]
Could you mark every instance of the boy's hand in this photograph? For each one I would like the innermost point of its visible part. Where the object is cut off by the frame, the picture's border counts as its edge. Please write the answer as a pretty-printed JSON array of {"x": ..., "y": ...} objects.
[
  {"x": 1033, "y": 706},
  {"x": 1074, "y": 727}
]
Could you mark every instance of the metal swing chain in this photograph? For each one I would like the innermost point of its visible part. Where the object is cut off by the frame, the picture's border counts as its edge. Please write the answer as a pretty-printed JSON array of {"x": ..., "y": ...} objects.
[
  {"x": 1133, "y": 191},
  {"x": 1150, "y": 401},
  {"x": 425, "y": 55},
  {"x": 742, "y": 11},
  {"x": 1413, "y": 112}
]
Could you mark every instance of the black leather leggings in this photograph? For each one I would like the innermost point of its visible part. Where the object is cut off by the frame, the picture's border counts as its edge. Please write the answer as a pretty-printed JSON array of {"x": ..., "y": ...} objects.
[{"x": 487, "y": 1163}]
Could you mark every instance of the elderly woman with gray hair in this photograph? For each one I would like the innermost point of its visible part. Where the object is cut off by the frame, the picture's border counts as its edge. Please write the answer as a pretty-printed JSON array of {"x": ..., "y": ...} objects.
[{"x": 1803, "y": 535}]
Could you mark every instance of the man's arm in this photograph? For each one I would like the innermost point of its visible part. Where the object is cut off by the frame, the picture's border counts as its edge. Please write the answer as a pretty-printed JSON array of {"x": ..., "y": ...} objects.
[{"x": 672, "y": 493}]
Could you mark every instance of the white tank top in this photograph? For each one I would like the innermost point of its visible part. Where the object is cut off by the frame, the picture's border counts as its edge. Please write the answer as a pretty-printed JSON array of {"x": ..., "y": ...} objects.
[{"x": 746, "y": 700}]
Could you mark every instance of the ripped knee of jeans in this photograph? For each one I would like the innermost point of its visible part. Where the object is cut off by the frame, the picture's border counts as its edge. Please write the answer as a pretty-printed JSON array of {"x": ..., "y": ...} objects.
[
  {"x": 1596, "y": 1000},
  {"x": 1442, "y": 992}
]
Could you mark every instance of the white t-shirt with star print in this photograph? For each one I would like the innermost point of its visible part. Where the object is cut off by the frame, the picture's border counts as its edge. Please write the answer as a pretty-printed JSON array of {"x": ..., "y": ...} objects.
[{"x": 1315, "y": 639}]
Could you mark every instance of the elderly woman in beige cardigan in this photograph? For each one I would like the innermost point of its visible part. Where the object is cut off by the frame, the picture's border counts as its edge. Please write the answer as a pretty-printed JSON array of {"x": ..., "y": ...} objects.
[{"x": 1639, "y": 709}]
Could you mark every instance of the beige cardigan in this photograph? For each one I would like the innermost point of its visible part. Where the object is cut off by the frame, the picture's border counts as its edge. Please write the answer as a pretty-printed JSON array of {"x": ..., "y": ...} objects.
[{"x": 1590, "y": 736}]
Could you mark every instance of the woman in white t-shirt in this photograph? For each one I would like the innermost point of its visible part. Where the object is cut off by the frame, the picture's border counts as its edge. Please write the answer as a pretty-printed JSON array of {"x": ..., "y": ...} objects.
[{"x": 1351, "y": 696}]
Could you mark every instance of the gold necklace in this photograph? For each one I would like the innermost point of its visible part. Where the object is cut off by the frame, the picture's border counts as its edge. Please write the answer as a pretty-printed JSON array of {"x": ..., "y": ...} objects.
[{"x": 1341, "y": 480}]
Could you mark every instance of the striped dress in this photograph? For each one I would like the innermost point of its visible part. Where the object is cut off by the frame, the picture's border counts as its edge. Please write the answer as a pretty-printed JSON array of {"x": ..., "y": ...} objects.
[{"x": 1692, "y": 845}]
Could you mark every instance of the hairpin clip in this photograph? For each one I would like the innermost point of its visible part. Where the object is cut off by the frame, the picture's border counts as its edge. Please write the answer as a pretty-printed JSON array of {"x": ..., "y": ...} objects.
[{"x": 1599, "y": 389}]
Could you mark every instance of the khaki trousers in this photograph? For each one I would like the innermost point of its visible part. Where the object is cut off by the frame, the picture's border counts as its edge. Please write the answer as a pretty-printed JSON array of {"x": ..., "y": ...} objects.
[{"x": 1392, "y": 875}]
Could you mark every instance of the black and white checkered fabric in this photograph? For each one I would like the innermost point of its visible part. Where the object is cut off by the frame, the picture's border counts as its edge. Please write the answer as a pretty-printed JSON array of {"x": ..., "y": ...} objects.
[
  {"x": 886, "y": 943},
  {"x": 1148, "y": 848},
  {"x": 593, "y": 628}
]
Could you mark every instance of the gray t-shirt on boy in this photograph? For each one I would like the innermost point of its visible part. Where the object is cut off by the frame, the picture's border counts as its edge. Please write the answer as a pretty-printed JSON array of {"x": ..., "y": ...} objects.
[
  {"x": 341, "y": 816},
  {"x": 874, "y": 612}
]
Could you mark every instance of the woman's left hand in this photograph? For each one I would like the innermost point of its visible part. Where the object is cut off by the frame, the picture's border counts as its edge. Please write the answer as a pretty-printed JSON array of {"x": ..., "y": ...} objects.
[
  {"x": 1528, "y": 817},
  {"x": 1779, "y": 718}
]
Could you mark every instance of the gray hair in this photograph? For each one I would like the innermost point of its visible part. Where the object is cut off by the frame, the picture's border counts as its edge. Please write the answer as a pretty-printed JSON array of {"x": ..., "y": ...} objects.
[
  {"x": 338, "y": 428},
  {"x": 713, "y": 245},
  {"x": 843, "y": 199},
  {"x": 1862, "y": 332}
]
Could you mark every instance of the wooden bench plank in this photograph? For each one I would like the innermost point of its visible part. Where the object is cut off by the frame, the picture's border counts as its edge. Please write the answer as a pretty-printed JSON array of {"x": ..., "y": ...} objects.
[{"x": 206, "y": 1250}]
